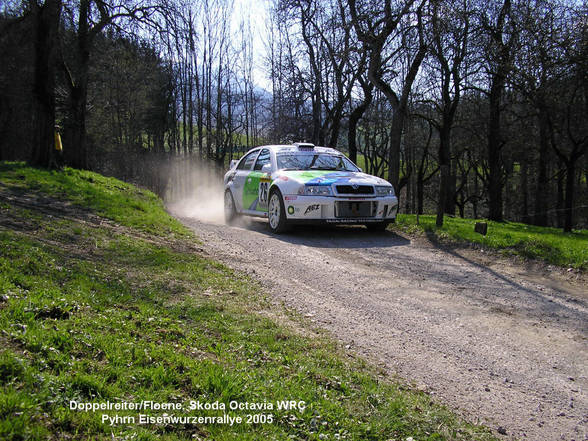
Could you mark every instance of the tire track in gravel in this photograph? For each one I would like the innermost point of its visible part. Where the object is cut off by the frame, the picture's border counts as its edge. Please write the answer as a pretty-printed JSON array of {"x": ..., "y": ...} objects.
[{"x": 500, "y": 349}]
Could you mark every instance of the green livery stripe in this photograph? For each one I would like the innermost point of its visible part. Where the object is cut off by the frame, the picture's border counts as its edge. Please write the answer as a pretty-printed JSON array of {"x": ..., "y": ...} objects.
[
  {"x": 307, "y": 175},
  {"x": 251, "y": 190}
]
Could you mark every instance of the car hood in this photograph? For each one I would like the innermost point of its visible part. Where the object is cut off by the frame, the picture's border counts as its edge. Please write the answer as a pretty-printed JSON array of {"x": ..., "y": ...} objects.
[{"x": 329, "y": 177}]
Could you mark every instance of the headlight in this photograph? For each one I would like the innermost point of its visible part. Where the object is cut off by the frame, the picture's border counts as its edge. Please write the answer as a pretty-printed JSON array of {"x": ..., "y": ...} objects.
[
  {"x": 384, "y": 190},
  {"x": 317, "y": 190}
]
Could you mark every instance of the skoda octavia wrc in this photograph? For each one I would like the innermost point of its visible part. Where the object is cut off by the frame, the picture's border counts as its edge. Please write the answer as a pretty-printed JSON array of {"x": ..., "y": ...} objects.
[{"x": 303, "y": 183}]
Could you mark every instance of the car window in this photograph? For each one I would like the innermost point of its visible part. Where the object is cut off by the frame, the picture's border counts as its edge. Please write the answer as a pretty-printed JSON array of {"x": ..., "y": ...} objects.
[
  {"x": 247, "y": 161},
  {"x": 348, "y": 165},
  {"x": 262, "y": 159},
  {"x": 298, "y": 161}
]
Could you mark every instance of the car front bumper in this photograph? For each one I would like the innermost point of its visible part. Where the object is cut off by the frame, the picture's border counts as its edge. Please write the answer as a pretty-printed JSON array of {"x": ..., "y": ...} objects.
[{"x": 340, "y": 210}]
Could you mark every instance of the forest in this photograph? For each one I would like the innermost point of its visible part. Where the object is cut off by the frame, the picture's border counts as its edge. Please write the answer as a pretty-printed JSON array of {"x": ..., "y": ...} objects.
[{"x": 471, "y": 108}]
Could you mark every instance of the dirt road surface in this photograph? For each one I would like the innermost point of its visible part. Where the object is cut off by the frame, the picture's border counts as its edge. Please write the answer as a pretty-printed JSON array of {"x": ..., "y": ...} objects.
[{"x": 499, "y": 346}]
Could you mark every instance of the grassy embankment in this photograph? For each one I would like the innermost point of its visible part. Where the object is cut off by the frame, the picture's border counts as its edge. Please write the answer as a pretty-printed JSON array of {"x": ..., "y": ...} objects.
[
  {"x": 548, "y": 244},
  {"x": 103, "y": 296}
]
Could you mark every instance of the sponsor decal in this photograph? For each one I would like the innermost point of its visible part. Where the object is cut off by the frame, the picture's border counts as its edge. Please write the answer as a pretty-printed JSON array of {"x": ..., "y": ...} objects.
[
  {"x": 312, "y": 208},
  {"x": 306, "y": 176},
  {"x": 283, "y": 178},
  {"x": 290, "y": 209},
  {"x": 352, "y": 220},
  {"x": 290, "y": 198},
  {"x": 328, "y": 177}
]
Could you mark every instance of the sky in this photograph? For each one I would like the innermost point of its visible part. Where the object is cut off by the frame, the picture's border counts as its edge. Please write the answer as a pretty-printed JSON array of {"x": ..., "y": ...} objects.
[{"x": 256, "y": 10}]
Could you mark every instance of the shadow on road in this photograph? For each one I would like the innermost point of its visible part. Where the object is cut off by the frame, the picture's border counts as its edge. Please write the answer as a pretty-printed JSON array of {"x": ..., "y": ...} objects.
[
  {"x": 540, "y": 304},
  {"x": 330, "y": 236}
]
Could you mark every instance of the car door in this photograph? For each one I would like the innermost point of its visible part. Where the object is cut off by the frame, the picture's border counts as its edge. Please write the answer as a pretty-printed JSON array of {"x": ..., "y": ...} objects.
[
  {"x": 261, "y": 179},
  {"x": 242, "y": 173},
  {"x": 253, "y": 196}
]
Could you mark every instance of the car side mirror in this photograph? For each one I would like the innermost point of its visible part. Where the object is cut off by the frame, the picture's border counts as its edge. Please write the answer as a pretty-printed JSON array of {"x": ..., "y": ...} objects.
[
  {"x": 360, "y": 170},
  {"x": 233, "y": 163},
  {"x": 266, "y": 168}
]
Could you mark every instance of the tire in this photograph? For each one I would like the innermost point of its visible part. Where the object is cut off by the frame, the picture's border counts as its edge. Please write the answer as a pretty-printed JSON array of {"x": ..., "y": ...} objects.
[
  {"x": 276, "y": 212},
  {"x": 230, "y": 210},
  {"x": 377, "y": 226}
]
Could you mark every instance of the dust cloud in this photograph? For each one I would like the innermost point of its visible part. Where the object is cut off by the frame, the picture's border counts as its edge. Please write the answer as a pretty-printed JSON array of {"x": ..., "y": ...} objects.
[{"x": 195, "y": 190}]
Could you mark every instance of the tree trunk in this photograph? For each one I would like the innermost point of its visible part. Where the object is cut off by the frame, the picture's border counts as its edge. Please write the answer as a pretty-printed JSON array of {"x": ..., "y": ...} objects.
[
  {"x": 443, "y": 184},
  {"x": 75, "y": 150},
  {"x": 354, "y": 118},
  {"x": 199, "y": 111},
  {"x": 46, "y": 31},
  {"x": 420, "y": 192},
  {"x": 570, "y": 176},
  {"x": 444, "y": 164},
  {"x": 394, "y": 149},
  {"x": 475, "y": 198},
  {"x": 191, "y": 109},
  {"x": 525, "y": 191},
  {"x": 334, "y": 129},
  {"x": 560, "y": 214},
  {"x": 451, "y": 189},
  {"x": 317, "y": 133},
  {"x": 501, "y": 70},
  {"x": 542, "y": 192},
  {"x": 398, "y": 118},
  {"x": 494, "y": 154}
]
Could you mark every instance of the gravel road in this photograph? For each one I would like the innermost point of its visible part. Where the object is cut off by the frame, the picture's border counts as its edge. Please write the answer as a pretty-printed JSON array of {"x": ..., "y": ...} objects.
[{"x": 499, "y": 345}]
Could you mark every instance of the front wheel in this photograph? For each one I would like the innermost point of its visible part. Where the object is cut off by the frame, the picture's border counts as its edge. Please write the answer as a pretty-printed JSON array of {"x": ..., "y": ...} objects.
[{"x": 276, "y": 212}]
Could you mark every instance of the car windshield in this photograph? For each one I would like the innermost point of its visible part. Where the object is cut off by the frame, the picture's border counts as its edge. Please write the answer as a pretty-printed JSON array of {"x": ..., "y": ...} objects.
[{"x": 314, "y": 161}]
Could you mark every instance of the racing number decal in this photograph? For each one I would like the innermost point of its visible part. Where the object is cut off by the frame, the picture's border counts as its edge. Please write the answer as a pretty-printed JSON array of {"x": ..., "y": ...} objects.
[
  {"x": 263, "y": 191},
  {"x": 263, "y": 187}
]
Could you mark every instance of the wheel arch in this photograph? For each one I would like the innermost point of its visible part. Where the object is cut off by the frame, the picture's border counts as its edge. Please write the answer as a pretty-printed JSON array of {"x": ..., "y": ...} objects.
[
  {"x": 230, "y": 191},
  {"x": 282, "y": 225},
  {"x": 273, "y": 187}
]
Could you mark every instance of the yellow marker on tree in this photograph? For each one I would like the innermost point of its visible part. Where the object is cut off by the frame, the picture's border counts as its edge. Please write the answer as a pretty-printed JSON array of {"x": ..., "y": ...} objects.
[{"x": 58, "y": 145}]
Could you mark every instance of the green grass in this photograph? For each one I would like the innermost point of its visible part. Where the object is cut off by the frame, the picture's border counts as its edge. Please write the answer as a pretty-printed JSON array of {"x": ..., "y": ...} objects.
[
  {"x": 95, "y": 312},
  {"x": 548, "y": 244},
  {"x": 107, "y": 197}
]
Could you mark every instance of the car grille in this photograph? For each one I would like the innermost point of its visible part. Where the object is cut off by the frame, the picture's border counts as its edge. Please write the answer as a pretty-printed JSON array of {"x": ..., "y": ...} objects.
[
  {"x": 359, "y": 189},
  {"x": 350, "y": 209}
]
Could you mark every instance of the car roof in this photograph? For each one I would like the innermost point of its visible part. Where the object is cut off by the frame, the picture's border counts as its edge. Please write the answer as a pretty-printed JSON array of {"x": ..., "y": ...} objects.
[{"x": 284, "y": 148}]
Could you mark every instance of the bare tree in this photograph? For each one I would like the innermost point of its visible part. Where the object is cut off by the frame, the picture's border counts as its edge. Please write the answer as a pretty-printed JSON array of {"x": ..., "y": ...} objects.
[
  {"x": 499, "y": 33},
  {"x": 356, "y": 114},
  {"x": 387, "y": 35},
  {"x": 449, "y": 48}
]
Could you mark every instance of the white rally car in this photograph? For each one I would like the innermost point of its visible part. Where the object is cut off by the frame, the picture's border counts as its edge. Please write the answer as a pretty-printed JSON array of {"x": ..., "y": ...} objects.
[{"x": 301, "y": 183}]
